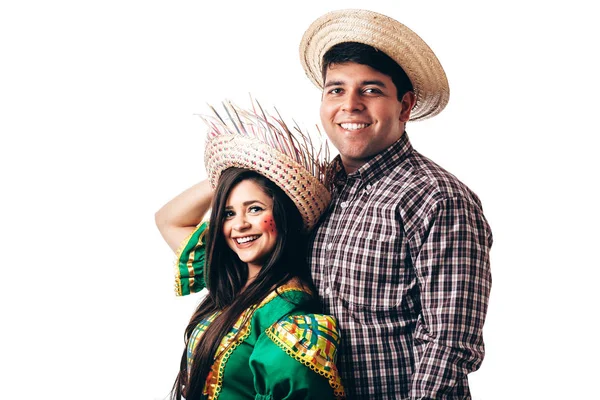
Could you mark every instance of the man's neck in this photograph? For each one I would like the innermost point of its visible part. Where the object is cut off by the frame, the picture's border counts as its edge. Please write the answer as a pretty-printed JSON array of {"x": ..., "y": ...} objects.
[{"x": 351, "y": 166}]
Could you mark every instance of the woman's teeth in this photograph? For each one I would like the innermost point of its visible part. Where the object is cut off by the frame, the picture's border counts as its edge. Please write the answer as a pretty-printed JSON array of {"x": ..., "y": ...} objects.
[{"x": 246, "y": 239}]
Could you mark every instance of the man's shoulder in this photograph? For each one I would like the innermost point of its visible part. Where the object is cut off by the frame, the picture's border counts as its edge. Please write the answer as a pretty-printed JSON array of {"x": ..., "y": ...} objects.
[
  {"x": 436, "y": 182},
  {"x": 419, "y": 184}
]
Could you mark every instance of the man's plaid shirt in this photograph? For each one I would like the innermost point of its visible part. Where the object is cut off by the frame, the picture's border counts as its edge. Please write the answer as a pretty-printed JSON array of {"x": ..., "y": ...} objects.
[{"x": 401, "y": 258}]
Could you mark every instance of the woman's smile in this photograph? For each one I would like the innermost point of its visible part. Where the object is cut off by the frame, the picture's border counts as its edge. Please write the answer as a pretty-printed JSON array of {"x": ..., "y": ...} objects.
[{"x": 249, "y": 226}]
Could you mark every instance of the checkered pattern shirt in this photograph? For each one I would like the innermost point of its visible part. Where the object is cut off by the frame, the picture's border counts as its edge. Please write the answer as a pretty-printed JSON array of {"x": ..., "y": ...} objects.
[{"x": 401, "y": 258}]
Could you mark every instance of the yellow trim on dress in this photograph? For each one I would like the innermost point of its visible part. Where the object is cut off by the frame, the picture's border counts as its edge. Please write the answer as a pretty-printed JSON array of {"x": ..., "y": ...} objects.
[
  {"x": 190, "y": 267},
  {"x": 214, "y": 380},
  {"x": 319, "y": 357}
]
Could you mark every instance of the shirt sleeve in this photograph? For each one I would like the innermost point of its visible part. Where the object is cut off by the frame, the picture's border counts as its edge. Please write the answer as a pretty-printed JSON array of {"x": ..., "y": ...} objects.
[
  {"x": 190, "y": 260},
  {"x": 295, "y": 359},
  {"x": 453, "y": 271}
]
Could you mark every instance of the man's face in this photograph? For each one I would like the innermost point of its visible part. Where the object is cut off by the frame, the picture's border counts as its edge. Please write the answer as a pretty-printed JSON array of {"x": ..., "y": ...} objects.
[{"x": 361, "y": 113}]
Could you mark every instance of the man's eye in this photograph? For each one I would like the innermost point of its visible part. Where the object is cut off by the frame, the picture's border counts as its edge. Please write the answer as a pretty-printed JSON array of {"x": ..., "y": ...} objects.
[
  {"x": 372, "y": 90},
  {"x": 335, "y": 91}
]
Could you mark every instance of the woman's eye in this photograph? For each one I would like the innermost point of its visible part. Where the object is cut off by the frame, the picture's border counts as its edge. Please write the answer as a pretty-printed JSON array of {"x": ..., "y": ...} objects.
[
  {"x": 255, "y": 209},
  {"x": 229, "y": 214}
]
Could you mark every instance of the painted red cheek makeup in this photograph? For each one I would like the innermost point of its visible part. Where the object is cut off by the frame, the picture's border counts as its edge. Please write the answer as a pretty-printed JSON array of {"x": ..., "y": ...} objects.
[{"x": 268, "y": 225}]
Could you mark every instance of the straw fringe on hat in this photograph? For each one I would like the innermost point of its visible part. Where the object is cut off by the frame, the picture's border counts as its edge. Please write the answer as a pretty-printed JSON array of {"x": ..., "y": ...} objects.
[
  {"x": 254, "y": 140},
  {"x": 388, "y": 35}
]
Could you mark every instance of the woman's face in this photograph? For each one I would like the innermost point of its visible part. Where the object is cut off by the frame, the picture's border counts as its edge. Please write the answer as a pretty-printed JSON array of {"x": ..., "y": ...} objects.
[{"x": 249, "y": 227}]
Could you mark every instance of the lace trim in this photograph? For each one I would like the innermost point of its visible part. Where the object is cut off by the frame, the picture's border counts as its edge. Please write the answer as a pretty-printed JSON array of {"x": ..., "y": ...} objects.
[
  {"x": 310, "y": 357},
  {"x": 214, "y": 381}
]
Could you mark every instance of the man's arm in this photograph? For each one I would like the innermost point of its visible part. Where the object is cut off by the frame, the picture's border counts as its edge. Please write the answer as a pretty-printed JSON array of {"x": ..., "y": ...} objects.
[{"x": 453, "y": 270}]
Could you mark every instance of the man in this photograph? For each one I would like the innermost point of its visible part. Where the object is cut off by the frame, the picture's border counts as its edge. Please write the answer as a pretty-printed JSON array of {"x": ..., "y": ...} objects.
[{"x": 402, "y": 256}]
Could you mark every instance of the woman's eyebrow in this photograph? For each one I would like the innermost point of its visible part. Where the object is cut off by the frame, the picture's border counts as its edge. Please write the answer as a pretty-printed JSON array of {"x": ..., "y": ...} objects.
[{"x": 247, "y": 203}]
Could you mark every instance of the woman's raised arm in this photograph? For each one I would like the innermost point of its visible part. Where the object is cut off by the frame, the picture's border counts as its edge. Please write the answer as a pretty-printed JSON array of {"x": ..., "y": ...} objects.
[{"x": 177, "y": 219}]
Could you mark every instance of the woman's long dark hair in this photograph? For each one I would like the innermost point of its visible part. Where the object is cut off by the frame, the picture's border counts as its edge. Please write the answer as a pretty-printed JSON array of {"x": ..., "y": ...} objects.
[{"x": 226, "y": 275}]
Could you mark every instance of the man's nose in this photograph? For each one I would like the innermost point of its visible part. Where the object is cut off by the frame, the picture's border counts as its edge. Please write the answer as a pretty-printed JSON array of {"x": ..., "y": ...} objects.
[{"x": 352, "y": 102}]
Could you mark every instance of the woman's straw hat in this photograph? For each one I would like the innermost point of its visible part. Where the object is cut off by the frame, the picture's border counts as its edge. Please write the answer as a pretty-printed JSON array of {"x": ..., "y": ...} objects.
[
  {"x": 388, "y": 35},
  {"x": 255, "y": 140}
]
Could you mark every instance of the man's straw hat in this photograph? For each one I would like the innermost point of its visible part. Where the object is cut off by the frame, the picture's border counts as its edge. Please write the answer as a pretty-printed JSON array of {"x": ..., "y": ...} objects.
[
  {"x": 257, "y": 141},
  {"x": 388, "y": 35}
]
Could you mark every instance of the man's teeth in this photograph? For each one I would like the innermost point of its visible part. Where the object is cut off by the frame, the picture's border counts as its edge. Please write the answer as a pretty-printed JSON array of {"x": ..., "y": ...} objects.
[
  {"x": 246, "y": 239},
  {"x": 353, "y": 126}
]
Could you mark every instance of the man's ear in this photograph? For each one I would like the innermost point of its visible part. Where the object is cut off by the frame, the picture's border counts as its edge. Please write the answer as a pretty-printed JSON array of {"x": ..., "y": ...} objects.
[{"x": 408, "y": 102}]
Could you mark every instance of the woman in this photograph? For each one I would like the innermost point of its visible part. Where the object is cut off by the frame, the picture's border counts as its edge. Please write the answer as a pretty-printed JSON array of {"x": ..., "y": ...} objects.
[{"x": 255, "y": 335}]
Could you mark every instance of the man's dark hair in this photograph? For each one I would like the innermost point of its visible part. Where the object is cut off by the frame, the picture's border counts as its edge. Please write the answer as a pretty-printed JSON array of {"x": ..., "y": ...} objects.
[{"x": 368, "y": 55}]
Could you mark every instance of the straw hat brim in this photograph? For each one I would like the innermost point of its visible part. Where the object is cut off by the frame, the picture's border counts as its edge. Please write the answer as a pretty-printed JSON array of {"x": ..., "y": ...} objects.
[
  {"x": 308, "y": 194},
  {"x": 388, "y": 35}
]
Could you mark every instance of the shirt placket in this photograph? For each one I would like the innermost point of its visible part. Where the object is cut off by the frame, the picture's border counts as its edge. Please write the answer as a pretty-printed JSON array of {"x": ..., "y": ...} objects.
[{"x": 337, "y": 234}]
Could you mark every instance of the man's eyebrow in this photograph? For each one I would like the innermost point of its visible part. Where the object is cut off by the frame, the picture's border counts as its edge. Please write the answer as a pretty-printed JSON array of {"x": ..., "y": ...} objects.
[
  {"x": 333, "y": 83},
  {"x": 375, "y": 82}
]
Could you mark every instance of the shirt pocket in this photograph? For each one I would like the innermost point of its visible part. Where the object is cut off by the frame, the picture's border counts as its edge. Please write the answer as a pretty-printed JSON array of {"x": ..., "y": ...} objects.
[{"x": 371, "y": 274}]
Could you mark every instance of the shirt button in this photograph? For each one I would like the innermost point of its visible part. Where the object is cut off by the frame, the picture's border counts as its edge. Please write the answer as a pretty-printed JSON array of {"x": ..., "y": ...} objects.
[
  {"x": 328, "y": 291},
  {"x": 344, "y": 204},
  {"x": 329, "y": 246},
  {"x": 368, "y": 187}
]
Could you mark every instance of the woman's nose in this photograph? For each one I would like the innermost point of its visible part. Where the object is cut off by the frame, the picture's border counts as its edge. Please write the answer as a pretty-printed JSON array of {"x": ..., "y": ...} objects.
[{"x": 240, "y": 223}]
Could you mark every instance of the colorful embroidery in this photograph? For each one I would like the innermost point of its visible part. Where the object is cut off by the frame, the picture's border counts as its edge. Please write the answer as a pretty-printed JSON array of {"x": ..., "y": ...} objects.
[
  {"x": 239, "y": 333},
  {"x": 189, "y": 264},
  {"x": 312, "y": 340},
  {"x": 195, "y": 338}
]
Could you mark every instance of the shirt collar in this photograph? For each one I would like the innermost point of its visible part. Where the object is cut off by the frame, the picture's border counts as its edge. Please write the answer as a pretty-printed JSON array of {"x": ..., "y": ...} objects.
[{"x": 375, "y": 168}]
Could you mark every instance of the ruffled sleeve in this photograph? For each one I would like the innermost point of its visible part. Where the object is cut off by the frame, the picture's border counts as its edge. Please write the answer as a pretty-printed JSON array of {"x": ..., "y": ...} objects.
[
  {"x": 189, "y": 265},
  {"x": 295, "y": 359}
]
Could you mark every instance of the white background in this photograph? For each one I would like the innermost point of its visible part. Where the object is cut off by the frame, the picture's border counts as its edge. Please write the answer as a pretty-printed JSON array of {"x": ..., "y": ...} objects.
[{"x": 98, "y": 130}]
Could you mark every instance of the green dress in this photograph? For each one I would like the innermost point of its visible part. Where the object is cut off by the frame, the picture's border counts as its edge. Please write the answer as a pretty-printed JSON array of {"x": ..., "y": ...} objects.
[{"x": 281, "y": 352}]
